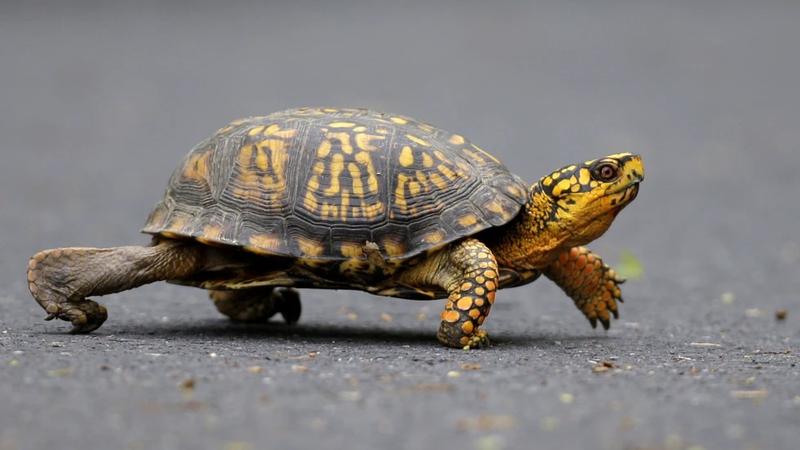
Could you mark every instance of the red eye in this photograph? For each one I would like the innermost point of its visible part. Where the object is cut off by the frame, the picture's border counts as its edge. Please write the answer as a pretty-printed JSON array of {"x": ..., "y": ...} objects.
[{"x": 605, "y": 172}]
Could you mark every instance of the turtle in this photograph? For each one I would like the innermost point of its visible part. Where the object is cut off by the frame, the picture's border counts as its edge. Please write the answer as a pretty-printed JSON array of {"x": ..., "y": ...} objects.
[{"x": 345, "y": 198}]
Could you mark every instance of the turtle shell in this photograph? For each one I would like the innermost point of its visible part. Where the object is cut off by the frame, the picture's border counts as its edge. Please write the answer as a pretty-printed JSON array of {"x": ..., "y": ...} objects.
[{"x": 325, "y": 184}]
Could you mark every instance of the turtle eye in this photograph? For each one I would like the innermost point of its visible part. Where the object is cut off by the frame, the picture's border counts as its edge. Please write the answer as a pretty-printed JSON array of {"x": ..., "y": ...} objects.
[{"x": 605, "y": 172}]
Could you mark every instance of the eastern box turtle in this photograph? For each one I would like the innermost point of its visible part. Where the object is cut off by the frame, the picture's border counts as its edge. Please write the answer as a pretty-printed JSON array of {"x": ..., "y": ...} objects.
[{"x": 355, "y": 199}]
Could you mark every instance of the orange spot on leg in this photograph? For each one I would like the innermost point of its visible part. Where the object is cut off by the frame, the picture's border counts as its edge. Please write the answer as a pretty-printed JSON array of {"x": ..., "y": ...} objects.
[{"x": 450, "y": 316}]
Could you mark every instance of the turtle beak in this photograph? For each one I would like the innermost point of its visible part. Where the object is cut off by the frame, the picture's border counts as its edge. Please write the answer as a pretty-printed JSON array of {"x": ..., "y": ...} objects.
[{"x": 634, "y": 168}]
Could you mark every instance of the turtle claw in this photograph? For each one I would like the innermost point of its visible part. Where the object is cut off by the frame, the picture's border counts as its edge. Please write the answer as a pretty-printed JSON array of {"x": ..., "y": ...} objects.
[
  {"x": 479, "y": 339},
  {"x": 606, "y": 323},
  {"x": 593, "y": 322},
  {"x": 85, "y": 316}
]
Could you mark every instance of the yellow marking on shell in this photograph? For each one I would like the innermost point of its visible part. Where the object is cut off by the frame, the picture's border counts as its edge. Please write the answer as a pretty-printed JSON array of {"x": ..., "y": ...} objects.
[
  {"x": 352, "y": 250},
  {"x": 372, "y": 180},
  {"x": 446, "y": 171},
  {"x": 423, "y": 179},
  {"x": 475, "y": 157},
  {"x": 264, "y": 241},
  {"x": 417, "y": 140},
  {"x": 562, "y": 186},
  {"x": 324, "y": 148},
  {"x": 330, "y": 110},
  {"x": 434, "y": 237},
  {"x": 275, "y": 130},
  {"x": 393, "y": 248},
  {"x": 337, "y": 166},
  {"x": 456, "y": 139},
  {"x": 425, "y": 127},
  {"x": 355, "y": 174},
  {"x": 309, "y": 247},
  {"x": 360, "y": 129},
  {"x": 310, "y": 202},
  {"x": 485, "y": 153},
  {"x": 568, "y": 169},
  {"x": 414, "y": 188},
  {"x": 467, "y": 327},
  {"x": 211, "y": 233},
  {"x": 262, "y": 162},
  {"x": 279, "y": 157},
  {"x": 406, "y": 157},
  {"x": 329, "y": 210},
  {"x": 547, "y": 181},
  {"x": 439, "y": 155},
  {"x": 475, "y": 313},
  {"x": 584, "y": 176},
  {"x": 400, "y": 192},
  {"x": 590, "y": 162},
  {"x": 341, "y": 125},
  {"x": 555, "y": 175},
  {"x": 344, "y": 139},
  {"x": 373, "y": 210},
  {"x": 398, "y": 120},
  {"x": 255, "y": 131},
  {"x": 575, "y": 188},
  {"x": 345, "y": 203},
  {"x": 594, "y": 184},
  {"x": 437, "y": 180},
  {"x": 495, "y": 207},
  {"x": 196, "y": 168},
  {"x": 427, "y": 161},
  {"x": 313, "y": 183},
  {"x": 468, "y": 220},
  {"x": 514, "y": 190},
  {"x": 363, "y": 141}
]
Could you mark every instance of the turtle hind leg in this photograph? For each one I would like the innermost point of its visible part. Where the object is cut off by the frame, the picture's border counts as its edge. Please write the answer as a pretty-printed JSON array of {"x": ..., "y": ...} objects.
[
  {"x": 61, "y": 279},
  {"x": 258, "y": 304}
]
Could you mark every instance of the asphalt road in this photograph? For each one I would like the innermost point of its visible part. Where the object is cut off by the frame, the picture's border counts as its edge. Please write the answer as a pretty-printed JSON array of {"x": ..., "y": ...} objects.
[{"x": 100, "y": 103}]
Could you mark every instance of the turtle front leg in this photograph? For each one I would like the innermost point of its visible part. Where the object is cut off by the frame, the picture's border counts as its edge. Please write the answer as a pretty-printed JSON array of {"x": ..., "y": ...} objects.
[
  {"x": 592, "y": 285},
  {"x": 258, "y": 304},
  {"x": 61, "y": 279},
  {"x": 468, "y": 272}
]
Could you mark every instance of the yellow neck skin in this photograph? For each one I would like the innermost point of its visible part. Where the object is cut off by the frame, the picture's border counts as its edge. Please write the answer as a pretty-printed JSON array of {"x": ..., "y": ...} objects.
[{"x": 543, "y": 230}]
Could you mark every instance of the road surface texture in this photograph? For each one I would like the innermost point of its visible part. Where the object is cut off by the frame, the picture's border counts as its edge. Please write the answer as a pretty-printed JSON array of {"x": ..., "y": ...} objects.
[{"x": 100, "y": 102}]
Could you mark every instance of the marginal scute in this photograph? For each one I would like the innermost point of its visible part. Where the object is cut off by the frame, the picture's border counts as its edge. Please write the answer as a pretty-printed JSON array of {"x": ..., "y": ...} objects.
[{"x": 317, "y": 183}]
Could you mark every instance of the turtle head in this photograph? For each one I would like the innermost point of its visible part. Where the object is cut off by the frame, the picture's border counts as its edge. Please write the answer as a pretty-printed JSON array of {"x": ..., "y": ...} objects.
[{"x": 581, "y": 200}]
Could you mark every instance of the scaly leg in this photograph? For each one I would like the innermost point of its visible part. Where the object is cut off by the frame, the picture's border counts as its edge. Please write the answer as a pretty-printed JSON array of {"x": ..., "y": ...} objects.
[
  {"x": 258, "y": 304},
  {"x": 468, "y": 272},
  {"x": 589, "y": 282},
  {"x": 61, "y": 279}
]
